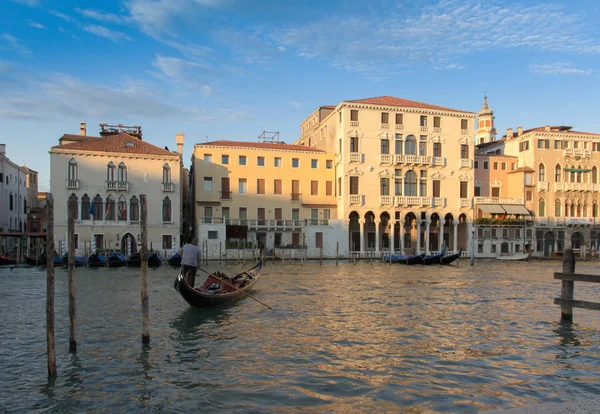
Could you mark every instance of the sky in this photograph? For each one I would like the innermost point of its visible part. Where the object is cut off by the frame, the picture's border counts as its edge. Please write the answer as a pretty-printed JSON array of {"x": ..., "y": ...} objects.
[{"x": 231, "y": 69}]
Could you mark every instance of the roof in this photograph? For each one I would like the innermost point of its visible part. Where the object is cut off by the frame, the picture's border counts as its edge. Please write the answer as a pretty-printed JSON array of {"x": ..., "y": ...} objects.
[
  {"x": 496, "y": 155},
  {"x": 561, "y": 129},
  {"x": 522, "y": 169},
  {"x": 393, "y": 101},
  {"x": 258, "y": 145},
  {"x": 113, "y": 143}
]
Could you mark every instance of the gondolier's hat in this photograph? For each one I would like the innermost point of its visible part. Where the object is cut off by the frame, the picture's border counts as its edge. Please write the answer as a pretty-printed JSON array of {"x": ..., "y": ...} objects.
[{"x": 195, "y": 241}]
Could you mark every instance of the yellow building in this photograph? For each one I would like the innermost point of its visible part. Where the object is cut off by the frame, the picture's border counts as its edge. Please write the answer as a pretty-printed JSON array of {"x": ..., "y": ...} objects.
[
  {"x": 267, "y": 193},
  {"x": 403, "y": 172}
]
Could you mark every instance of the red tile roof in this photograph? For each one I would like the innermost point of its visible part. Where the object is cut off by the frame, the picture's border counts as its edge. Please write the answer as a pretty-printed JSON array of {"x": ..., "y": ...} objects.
[
  {"x": 278, "y": 145},
  {"x": 393, "y": 101},
  {"x": 522, "y": 169},
  {"x": 113, "y": 143}
]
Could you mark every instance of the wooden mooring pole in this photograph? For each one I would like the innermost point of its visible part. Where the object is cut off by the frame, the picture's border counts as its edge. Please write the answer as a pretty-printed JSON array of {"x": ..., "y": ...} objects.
[
  {"x": 144, "y": 268},
  {"x": 72, "y": 209},
  {"x": 50, "y": 286},
  {"x": 569, "y": 277}
]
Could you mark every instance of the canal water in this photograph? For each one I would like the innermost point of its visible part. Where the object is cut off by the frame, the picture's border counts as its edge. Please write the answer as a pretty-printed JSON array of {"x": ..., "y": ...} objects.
[{"x": 355, "y": 337}]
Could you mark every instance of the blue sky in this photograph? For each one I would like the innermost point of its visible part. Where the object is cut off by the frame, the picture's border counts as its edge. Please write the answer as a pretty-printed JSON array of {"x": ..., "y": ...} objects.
[{"x": 233, "y": 68}]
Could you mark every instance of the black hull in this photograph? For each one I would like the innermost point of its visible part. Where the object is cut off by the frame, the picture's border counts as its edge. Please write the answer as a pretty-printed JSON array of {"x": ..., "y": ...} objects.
[
  {"x": 446, "y": 260},
  {"x": 407, "y": 260},
  {"x": 154, "y": 260},
  {"x": 115, "y": 263},
  {"x": 202, "y": 300},
  {"x": 174, "y": 261},
  {"x": 6, "y": 261},
  {"x": 431, "y": 260}
]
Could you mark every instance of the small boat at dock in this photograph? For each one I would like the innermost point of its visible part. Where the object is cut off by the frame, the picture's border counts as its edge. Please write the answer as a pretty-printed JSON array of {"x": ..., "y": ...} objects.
[{"x": 515, "y": 257}]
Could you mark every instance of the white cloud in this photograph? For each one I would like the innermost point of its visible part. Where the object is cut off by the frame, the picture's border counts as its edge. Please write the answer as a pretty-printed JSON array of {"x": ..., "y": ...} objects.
[
  {"x": 30, "y": 3},
  {"x": 101, "y": 16},
  {"x": 185, "y": 74},
  {"x": 61, "y": 15},
  {"x": 36, "y": 25},
  {"x": 558, "y": 69},
  {"x": 8, "y": 42},
  {"x": 105, "y": 32}
]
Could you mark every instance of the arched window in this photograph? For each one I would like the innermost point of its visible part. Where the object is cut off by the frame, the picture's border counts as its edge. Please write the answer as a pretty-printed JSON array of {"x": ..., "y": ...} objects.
[
  {"x": 110, "y": 208},
  {"x": 410, "y": 183},
  {"x": 166, "y": 208},
  {"x": 557, "y": 205},
  {"x": 542, "y": 208},
  {"x": 595, "y": 209},
  {"x": 72, "y": 173},
  {"x": 579, "y": 174},
  {"x": 85, "y": 207},
  {"x": 122, "y": 172},
  {"x": 110, "y": 171},
  {"x": 557, "y": 172},
  {"x": 573, "y": 210},
  {"x": 410, "y": 145},
  {"x": 594, "y": 175},
  {"x": 166, "y": 173},
  {"x": 572, "y": 175},
  {"x": 97, "y": 211},
  {"x": 134, "y": 209},
  {"x": 122, "y": 209},
  {"x": 584, "y": 213},
  {"x": 74, "y": 197},
  {"x": 578, "y": 210},
  {"x": 541, "y": 173}
]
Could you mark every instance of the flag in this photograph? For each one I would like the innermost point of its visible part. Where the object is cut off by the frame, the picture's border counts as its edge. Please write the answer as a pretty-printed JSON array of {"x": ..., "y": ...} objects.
[
  {"x": 124, "y": 213},
  {"x": 108, "y": 209},
  {"x": 503, "y": 216}
]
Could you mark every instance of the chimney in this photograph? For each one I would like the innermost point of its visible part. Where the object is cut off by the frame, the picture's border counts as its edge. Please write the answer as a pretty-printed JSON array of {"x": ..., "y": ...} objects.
[
  {"x": 509, "y": 133},
  {"x": 82, "y": 129},
  {"x": 519, "y": 131},
  {"x": 179, "y": 138},
  {"x": 3, "y": 149},
  {"x": 547, "y": 128}
]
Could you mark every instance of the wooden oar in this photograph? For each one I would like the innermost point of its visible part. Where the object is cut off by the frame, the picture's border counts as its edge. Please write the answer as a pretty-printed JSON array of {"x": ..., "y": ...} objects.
[{"x": 235, "y": 287}]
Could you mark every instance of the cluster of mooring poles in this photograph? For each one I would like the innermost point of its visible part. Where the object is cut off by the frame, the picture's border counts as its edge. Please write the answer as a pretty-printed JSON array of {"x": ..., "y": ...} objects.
[{"x": 72, "y": 208}]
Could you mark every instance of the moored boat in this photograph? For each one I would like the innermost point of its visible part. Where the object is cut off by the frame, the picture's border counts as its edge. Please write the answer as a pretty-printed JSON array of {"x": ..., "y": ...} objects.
[
  {"x": 79, "y": 260},
  {"x": 96, "y": 260},
  {"x": 134, "y": 260},
  {"x": 154, "y": 259},
  {"x": 116, "y": 260},
  {"x": 219, "y": 288},
  {"x": 446, "y": 260},
  {"x": 515, "y": 257},
  {"x": 405, "y": 259},
  {"x": 6, "y": 259},
  {"x": 433, "y": 259},
  {"x": 174, "y": 260}
]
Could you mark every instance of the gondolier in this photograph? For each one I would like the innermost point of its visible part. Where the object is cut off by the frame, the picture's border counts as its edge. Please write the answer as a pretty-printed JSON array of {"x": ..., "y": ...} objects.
[{"x": 190, "y": 253}]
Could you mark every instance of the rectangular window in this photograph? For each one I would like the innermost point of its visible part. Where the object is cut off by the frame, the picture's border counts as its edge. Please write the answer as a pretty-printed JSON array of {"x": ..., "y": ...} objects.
[
  {"x": 208, "y": 214},
  {"x": 528, "y": 195},
  {"x": 243, "y": 212},
  {"x": 479, "y": 248},
  {"x": 423, "y": 184},
  {"x": 260, "y": 161},
  {"x": 385, "y": 118},
  {"x": 353, "y": 144},
  {"x": 493, "y": 248},
  {"x": 260, "y": 216},
  {"x": 464, "y": 124},
  {"x": 464, "y": 152},
  {"x": 242, "y": 186},
  {"x": 296, "y": 190},
  {"x": 167, "y": 241},
  {"x": 295, "y": 214},
  {"x": 277, "y": 240},
  {"x": 208, "y": 184},
  {"x": 354, "y": 185},
  {"x": 423, "y": 121},
  {"x": 398, "y": 182},
  {"x": 260, "y": 186},
  {"x": 477, "y": 191},
  {"x": 436, "y": 188},
  {"x": 385, "y": 146},
  {"x": 208, "y": 158},
  {"x": 328, "y": 164},
  {"x": 314, "y": 163},
  {"x": 513, "y": 166},
  {"x": 329, "y": 188},
  {"x": 99, "y": 238},
  {"x": 384, "y": 186},
  {"x": 314, "y": 187},
  {"x": 224, "y": 159},
  {"x": 485, "y": 165},
  {"x": 503, "y": 166},
  {"x": 339, "y": 189},
  {"x": 277, "y": 186},
  {"x": 399, "y": 119},
  {"x": 279, "y": 216},
  {"x": 476, "y": 165},
  {"x": 225, "y": 188},
  {"x": 437, "y": 149},
  {"x": 277, "y": 162},
  {"x": 423, "y": 145},
  {"x": 495, "y": 191},
  {"x": 495, "y": 165},
  {"x": 354, "y": 115},
  {"x": 464, "y": 189},
  {"x": 524, "y": 146},
  {"x": 557, "y": 144},
  {"x": 398, "y": 144},
  {"x": 213, "y": 234},
  {"x": 437, "y": 122},
  {"x": 242, "y": 160},
  {"x": 295, "y": 162},
  {"x": 319, "y": 240},
  {"x": 225, "y": 213},
  {"x": 296, "y": 239}
]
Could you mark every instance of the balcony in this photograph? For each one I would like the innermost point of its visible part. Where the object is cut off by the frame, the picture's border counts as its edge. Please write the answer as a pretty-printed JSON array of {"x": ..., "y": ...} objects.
[
  {"x": 424, "y": 129},
  {"x": 576, "y": 187},
  {"x": 413, "y": 159},
  {"x": 386, "y": 159},
  {"x": 464, "y": 132},
  {"x": 72, "y": 184},
  {"x": 577, "y": 153},
  {"x": 264, "y": 224},
  {"x": 413, "y": 201},
  {"x": 168, "y": 187},
  {"x": 356, "y": 199},
  {"x": 437, "y": 130},
  {"x": 466, "y": 202},
  {"x": 438, "y": 161},
  {"x": 225, "y": 195},
  {"x": 566, "y": 221},
  {"x": 439, "y": 202},
  {"x": 498, "y": 200},
  {"x": 117, "y": 185},
  {"x": 543, "y": 186},
  {"x": 296, "y": 196},
  {"x": 355, "y": 157},
  {"x": 466, "y": 163},
  {"x": 354, "y": 123},
  {"x": 399, "y": 127},
  {"x": 386, "y": 200},
  {"x": 385, "y": 126},
  {"x": 212, "y": 220}
]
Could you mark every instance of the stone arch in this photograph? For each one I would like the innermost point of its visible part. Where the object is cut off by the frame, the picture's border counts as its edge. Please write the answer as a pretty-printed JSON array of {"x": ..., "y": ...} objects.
[
  {"x": 353, "y": 231},
  {"x": 384, "y": 230},
  {"x": 577, "y": 240},
  {"x": 549, "y": 243}
]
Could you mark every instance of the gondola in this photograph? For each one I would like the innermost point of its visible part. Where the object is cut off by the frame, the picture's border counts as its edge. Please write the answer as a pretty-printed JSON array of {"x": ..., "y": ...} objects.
[
  {"x": 407, "y": 260},
  {"x": 134, "y": 260},
  {"x": 154, "y": 259},
  {"x": 96, "y": 260},
  {"x": 116, "y": 260},
  {"x": 174, "y": 260},
  {"x": 446, "y": 260},
  {"x": 214, "y": 291},
  {"x": 434, "y": 258},
  {"x": 79, "y": 261},
  {"x": 6, "y": 260}
]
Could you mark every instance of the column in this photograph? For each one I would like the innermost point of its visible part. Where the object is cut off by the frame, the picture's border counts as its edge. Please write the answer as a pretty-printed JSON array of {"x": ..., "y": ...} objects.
[
  {"x": 377, "y": 222},
  {"x": 78, "y": 210},
  {"x": 427, "y": 224},
  {"x": 128, "y": 203},
  {"x": 361, "y": 222},
  {"x": 402, "y": 230},
  {"x": 418, "y": 249},
  {"x": 104, "y": 214},
  {"x": 471, "y": 239},
  {"x": 392, "y": 225},
  {"x": 455, "y": 236},
  {"x": 441, "y": 236}
]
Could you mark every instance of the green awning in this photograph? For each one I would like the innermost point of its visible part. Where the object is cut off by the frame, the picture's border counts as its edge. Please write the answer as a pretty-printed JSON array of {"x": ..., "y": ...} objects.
[{"x": 576, "y": 170}]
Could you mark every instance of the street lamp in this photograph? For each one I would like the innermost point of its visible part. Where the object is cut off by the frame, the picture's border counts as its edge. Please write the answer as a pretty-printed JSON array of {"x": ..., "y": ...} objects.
[{"x": 472, "y": 245}]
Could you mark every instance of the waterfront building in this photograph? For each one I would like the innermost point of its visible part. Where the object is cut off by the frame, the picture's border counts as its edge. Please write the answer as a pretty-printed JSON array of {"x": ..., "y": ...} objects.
[
  {"x": 106, "y": 176},
  {"x": 13, "y": 200},
  {"x": 403, "y": 172},
  {"x": 556, "y": 177},
  {"x": 266, "y": 193}
]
